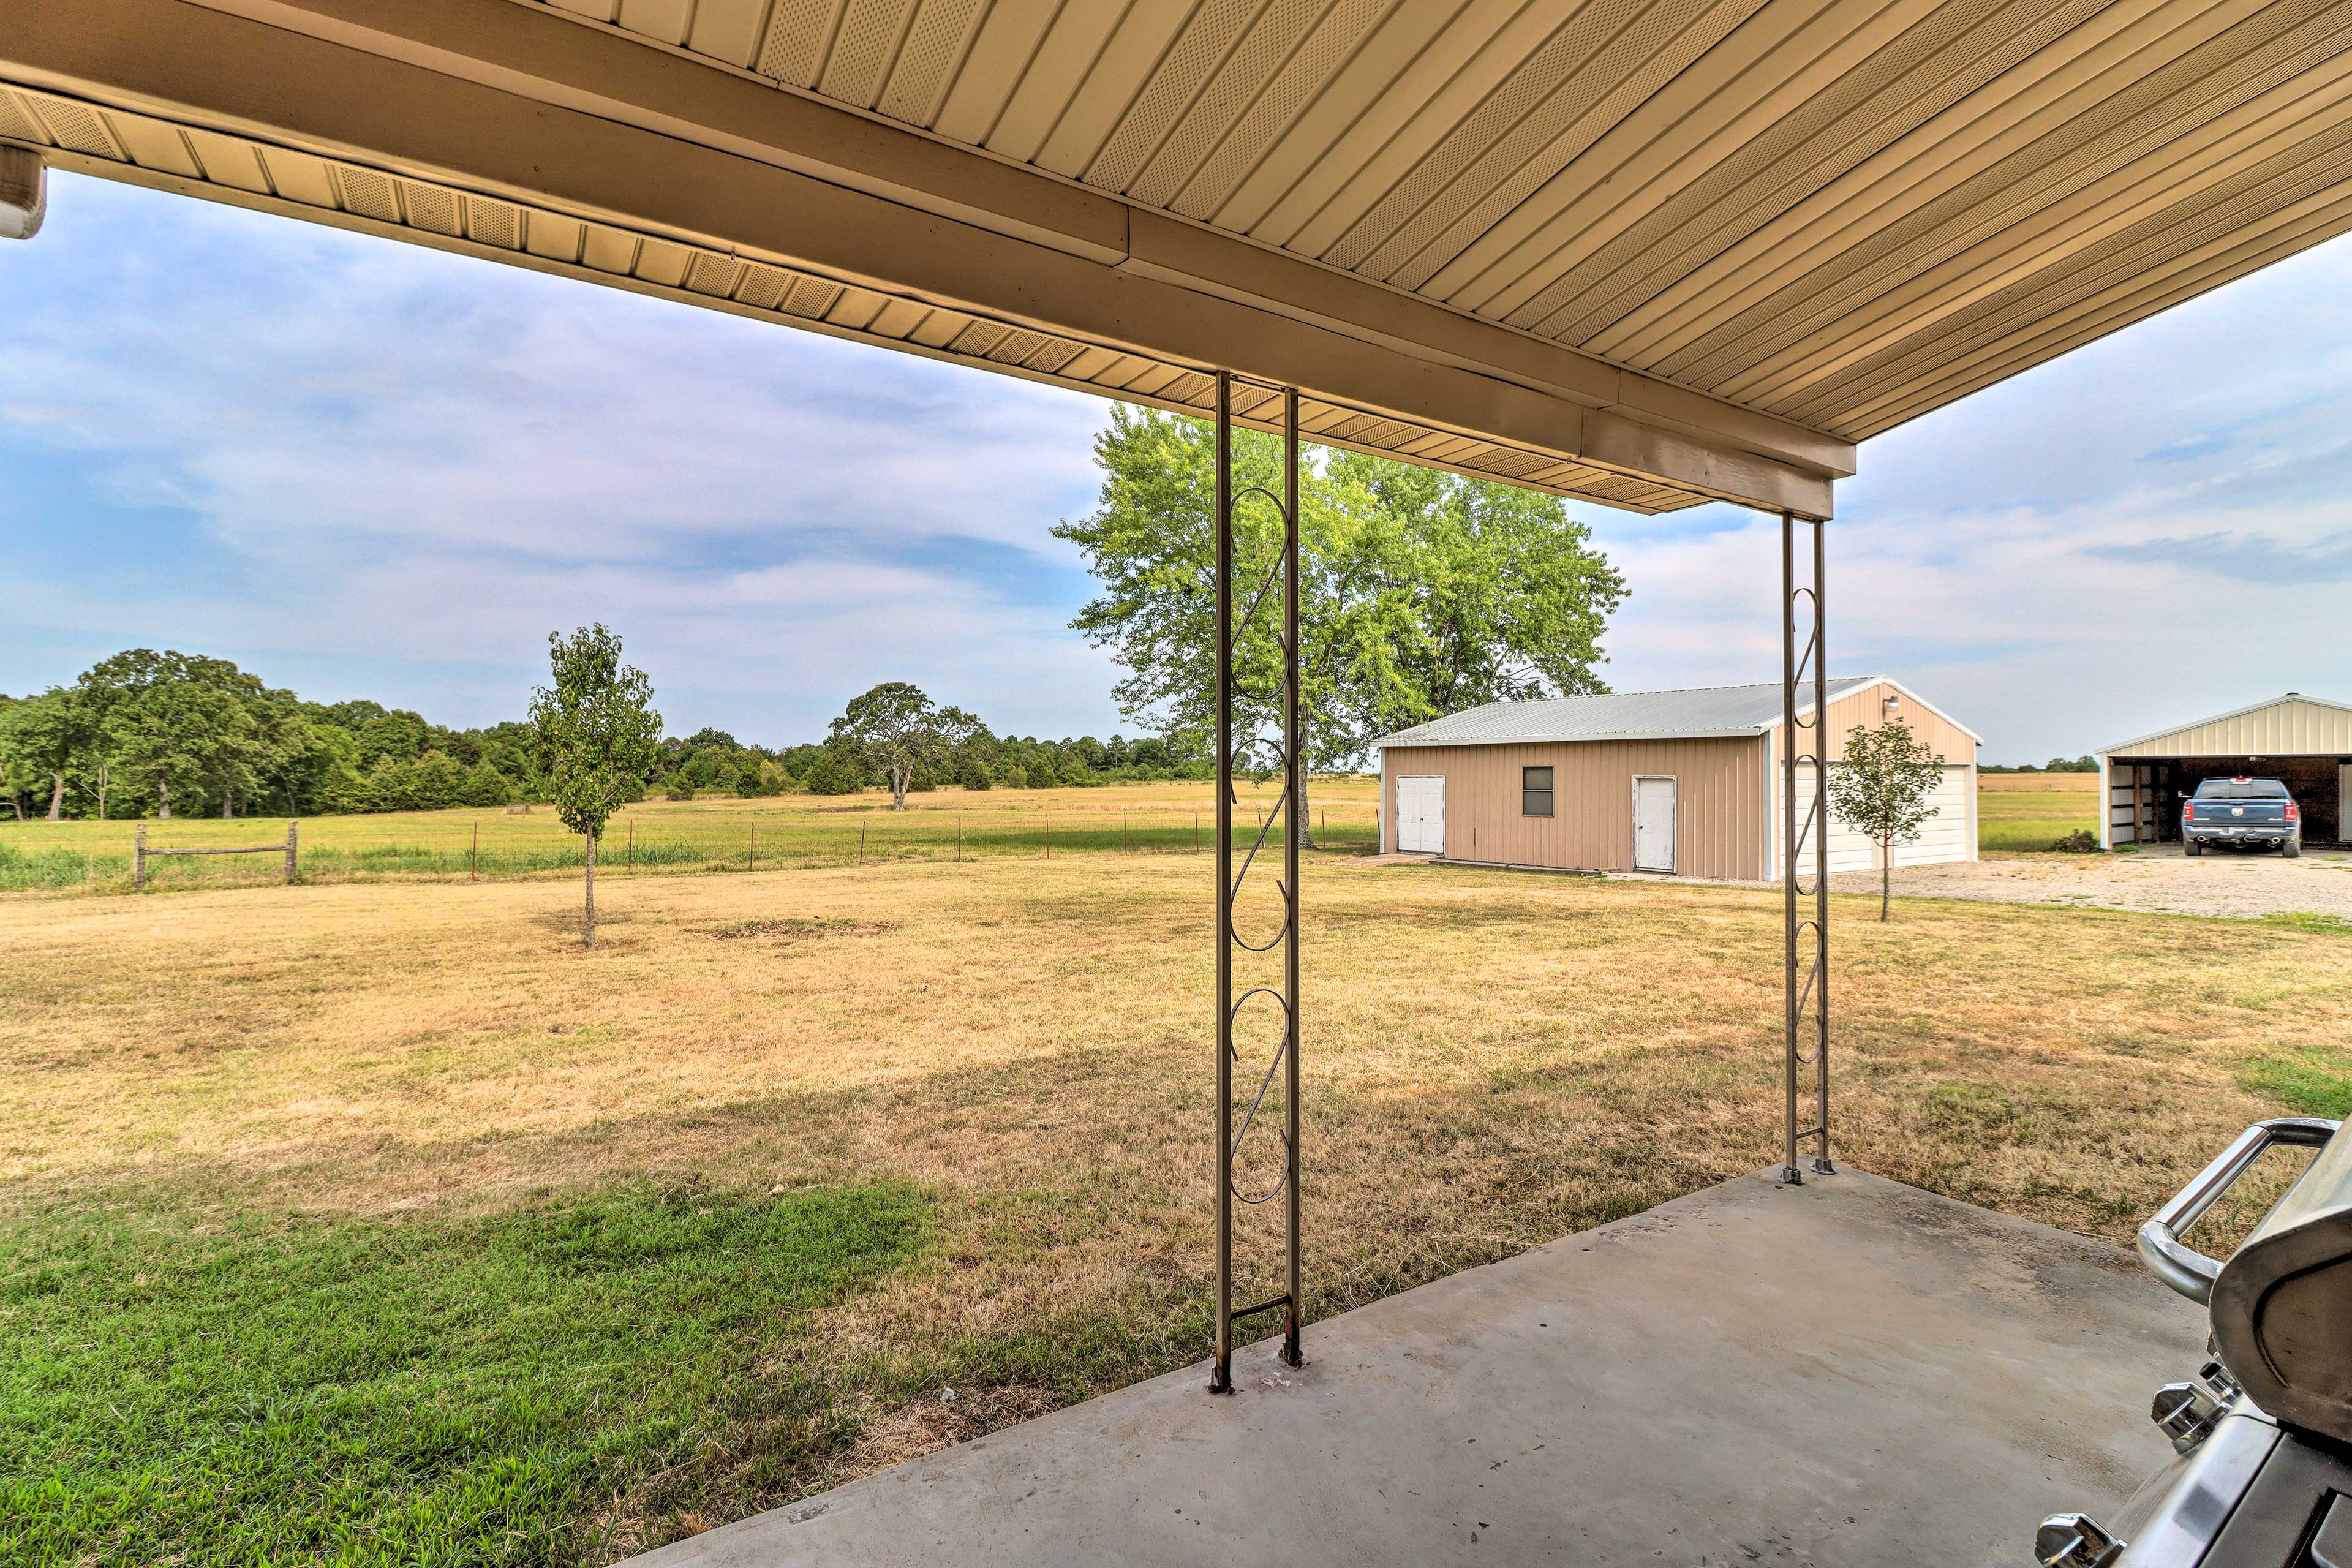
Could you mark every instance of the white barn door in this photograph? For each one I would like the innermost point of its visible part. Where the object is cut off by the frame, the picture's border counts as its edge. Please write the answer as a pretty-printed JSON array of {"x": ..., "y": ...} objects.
[
  {"x": 1420, "y": 814},
  {"x": 1653, "y": 821},
  {"x": 1849, "y": 848},
  {"x": 1943, "y": 837}
]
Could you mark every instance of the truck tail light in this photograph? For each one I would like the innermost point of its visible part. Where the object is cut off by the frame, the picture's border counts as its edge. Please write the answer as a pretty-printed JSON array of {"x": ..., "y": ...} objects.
[
  {"x": 2290, "y": 811},
  {"x": 2189, "y": 812}
]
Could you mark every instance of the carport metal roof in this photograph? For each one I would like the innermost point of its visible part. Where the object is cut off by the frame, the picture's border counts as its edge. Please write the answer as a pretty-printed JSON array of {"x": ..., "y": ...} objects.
[
  {"x": 2285, "y": 726},
  {"x": 1642, "y": 253},
  {"x": 1696, "y": 713}
]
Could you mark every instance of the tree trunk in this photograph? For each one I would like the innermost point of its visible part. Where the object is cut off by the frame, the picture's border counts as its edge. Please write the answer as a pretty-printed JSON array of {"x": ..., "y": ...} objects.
[
  {"x": 228, "y": 806},
  {"x": 163, "y": 802},
  {"x": 57, "y": 796},
  {"x": 588, "y": 926},
  {"x": 1306, "y": 817},
  {"x": 1885, "y": 878},
  {"x": 901, "y": 775}
]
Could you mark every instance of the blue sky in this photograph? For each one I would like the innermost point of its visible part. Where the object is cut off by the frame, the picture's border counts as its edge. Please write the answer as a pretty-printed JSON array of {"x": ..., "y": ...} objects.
[{"x": 370, "y": 469}]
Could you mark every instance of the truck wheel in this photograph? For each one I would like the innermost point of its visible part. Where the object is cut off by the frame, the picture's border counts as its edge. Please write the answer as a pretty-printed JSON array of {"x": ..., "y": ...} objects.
[
  {"x": 2191, "y": 847},
  {"x": 2292, "y": 849}
]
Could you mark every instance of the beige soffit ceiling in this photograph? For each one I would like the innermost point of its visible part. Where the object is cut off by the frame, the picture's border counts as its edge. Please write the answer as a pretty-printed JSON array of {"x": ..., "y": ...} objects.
[{"x": 1643, "y": 253}]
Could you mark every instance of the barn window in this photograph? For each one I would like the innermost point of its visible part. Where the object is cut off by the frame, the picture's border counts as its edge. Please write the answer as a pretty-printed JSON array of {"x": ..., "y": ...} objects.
[{"x": 1534, "y": 792}]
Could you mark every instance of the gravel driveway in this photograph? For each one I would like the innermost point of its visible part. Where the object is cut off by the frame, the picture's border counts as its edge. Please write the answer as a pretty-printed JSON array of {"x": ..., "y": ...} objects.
[{"x": 2238, "y": 886}]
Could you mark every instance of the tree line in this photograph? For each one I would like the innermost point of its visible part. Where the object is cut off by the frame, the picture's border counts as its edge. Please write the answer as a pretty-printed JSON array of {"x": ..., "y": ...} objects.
[
  {"x": 164, "y": 734},
  {"x": 2082, "y": 765}
]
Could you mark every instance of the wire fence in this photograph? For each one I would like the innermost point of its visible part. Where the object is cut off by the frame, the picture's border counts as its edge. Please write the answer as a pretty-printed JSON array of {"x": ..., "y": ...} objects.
[{"x": 100, "y": 856}]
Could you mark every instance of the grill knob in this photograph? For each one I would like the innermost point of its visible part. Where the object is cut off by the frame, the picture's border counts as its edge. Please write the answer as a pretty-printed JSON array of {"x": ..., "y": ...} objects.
[
  {"x": 2187, "y": 1411},
  {"x": 2072, "y": 1541}
]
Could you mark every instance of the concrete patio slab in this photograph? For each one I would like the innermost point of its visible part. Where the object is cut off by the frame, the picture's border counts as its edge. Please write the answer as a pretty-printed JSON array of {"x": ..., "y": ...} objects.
[{"x": 1852, "y": 1372}]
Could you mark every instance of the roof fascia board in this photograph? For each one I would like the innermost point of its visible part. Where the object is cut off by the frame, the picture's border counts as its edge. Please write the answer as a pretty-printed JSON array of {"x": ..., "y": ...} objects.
[
  {"x": 2170, "y": 730},
  {"x": 1848, "y": 685},
  {"x": 1427, "y": 362},
  {"x": 1743, "y": 732}
]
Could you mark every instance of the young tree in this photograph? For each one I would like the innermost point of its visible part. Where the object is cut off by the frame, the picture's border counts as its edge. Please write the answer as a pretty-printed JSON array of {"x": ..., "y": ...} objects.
[
  {"x": 1420, "y": 593},
  {"x": 598, "y": 738},
  {"x": 900, "y": 732},
  {"x": 1882, "y": 788}
]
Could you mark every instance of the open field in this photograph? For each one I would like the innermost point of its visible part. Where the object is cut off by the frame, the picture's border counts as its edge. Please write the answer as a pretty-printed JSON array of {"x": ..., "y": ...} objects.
[
  {"x": 343, "y": 1223},
  {"x": 2031, "y": 811},
  {"x": 660, "y": 836},
  {"x": 2016, "y": 812}
]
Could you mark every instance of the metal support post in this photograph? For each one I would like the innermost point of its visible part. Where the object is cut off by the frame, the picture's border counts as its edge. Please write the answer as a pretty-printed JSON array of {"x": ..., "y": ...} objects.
[
  {"x": 1251, "y": 698},
  {"x": 1805, "y": 910}
]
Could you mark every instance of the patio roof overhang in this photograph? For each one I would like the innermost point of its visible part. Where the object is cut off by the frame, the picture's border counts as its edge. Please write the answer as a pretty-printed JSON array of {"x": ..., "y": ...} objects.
[{"x": 1646, "y": 255}]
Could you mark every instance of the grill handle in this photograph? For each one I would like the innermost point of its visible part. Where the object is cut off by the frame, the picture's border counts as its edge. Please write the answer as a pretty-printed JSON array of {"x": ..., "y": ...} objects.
[{"x": 2184, "y": 1268}]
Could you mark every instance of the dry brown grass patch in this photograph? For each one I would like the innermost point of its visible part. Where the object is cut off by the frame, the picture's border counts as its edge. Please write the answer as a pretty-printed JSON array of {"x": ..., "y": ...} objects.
[{"x": 1491, "y": 1061}]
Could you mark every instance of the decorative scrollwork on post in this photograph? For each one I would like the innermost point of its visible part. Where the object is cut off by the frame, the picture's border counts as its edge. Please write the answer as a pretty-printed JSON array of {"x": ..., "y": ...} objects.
[
  {"x": 1806, "y": 931},
  {"x": 1257, "y": 732}
]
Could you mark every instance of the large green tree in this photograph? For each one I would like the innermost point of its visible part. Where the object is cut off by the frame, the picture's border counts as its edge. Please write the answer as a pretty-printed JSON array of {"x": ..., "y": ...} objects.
[
  {"x": 599, "y": 739},
  {"x": 186, "y": 731},
  {"x": 1420, "y": 593},
  {"x": 47, "y": 738},
  {"x": 897, "y": 733}
]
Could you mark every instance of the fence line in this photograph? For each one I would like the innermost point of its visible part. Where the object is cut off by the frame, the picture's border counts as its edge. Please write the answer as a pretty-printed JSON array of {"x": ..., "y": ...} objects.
[
  {"x": 140, "y": 852},
  {"x": 94, "y": 857}
]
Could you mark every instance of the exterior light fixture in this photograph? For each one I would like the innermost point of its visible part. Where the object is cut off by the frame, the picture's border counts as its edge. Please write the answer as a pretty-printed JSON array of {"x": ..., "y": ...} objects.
[
  {"x": 24, "y": 193},
  {"x": 1894, "y": 703}
]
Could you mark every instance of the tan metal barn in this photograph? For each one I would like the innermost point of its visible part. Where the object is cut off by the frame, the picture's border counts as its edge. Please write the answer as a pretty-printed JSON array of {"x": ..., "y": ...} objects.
[
  {"x": 2305, "y": 741},
  {"x": 1678, "y": 781}
]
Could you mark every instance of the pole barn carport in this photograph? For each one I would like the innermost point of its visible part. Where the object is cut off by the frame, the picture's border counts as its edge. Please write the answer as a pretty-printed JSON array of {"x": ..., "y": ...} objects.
[
  {"x": 2306, "y": 742},
  {"x": 1645, "y": 255}
]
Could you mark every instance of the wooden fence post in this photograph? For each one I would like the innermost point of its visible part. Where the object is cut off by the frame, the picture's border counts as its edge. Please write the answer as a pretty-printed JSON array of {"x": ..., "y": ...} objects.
[
  {"x": 1049, "y": 835},
  {"x": 290, "y": 851},
  {"x": 1124, "y": 847},
  {"x": 1196, "y": 831},
  {"x": 751, "y": 859},
  {"x": 139, "y": 858},
  {"x": 958, "y": 837},
  {"x": 861, "y": 841},
  {"x": 474, "y": 856},
  {"x": 632, "y": 846}
]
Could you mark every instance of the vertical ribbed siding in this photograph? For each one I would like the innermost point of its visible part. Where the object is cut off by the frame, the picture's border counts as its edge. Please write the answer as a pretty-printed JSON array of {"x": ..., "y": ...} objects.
[
  {"x": 1866, "y": 708},
  {"x": 1720, "y": 826},
  {"x": 2285, "y": 727}
]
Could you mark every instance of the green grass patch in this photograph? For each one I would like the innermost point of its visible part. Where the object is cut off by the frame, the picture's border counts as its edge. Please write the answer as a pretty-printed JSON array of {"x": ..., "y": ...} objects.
[
  {"x": 2310, "y": 1083},
  {"x": 2305, "y": 920},
  {"x": 416, "y": 1392},
  {"x": 1974, "y": 1106},
  {"x": 61, "y": 866},
  {"x": 736, "y": 930}
]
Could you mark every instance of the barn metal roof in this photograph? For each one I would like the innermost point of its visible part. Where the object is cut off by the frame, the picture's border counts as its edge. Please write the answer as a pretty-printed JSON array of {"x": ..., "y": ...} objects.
[
  {"x": 2288, "y": 725},
  {"x": 1703, "y": 712},
  {"x": 1645, "y": 252}
]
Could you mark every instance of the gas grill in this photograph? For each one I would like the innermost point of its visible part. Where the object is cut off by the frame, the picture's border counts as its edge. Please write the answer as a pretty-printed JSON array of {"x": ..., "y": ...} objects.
[{"x": 2263, "y": 1433}]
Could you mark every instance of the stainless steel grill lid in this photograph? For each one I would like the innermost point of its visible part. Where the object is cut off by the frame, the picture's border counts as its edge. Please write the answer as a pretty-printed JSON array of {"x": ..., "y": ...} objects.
[{"x": 2281, "y": 1307}]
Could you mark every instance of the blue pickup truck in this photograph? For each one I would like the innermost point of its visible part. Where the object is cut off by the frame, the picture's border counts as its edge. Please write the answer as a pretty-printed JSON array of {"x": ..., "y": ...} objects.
[{"x": 2242, "y": 811}]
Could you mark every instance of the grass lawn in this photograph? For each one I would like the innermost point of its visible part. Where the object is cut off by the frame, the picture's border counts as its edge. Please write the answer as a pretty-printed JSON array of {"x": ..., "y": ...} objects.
[
  {"x": 374, "y": 1222},
  {"x": 2031, "y": 811},
  {"x": 723, "y": 834}
]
